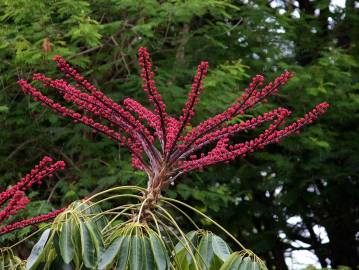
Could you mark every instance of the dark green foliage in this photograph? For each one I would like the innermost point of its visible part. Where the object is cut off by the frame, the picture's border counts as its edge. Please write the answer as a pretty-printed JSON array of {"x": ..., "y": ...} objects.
[{"x": 313, "y": 176}]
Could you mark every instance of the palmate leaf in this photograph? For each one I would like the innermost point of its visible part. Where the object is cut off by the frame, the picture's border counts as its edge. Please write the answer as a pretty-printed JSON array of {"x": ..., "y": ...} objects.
[
  {"x": 77, "y": 243},
  {"x": 136, "y": 247},
  {"x": 73, "y": 241}
]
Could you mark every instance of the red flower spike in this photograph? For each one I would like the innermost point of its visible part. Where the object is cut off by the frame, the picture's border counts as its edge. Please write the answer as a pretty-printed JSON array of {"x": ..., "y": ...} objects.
[
  {"x": 142, "y": 112},
  {"x": 16, "y": 196},
  {"x": 18, "y": 202},
  {"x": 29, "y": 222},
  {"x": 188, "y": 110},
  {"x": 154, "y": 97},
  {"x": 133, "y": 127},
  {"x": 137, "y": 127}
]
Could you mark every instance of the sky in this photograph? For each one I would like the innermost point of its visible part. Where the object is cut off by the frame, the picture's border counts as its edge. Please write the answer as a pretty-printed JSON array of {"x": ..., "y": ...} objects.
[
  {"x": 340, "y": 3},
  {"x": 300, "y": 259}
]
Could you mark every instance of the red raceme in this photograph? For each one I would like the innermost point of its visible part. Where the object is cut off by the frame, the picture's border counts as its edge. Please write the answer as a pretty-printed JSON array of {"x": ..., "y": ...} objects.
[
  {"x": 183, "y": 148},
  {"x": 29, "y": 222},
  {"x": 14, "y": 199}
]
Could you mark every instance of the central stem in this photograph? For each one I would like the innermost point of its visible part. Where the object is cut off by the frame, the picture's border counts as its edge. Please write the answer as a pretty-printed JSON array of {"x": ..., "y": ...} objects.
[{"x": 152, "y": 194}]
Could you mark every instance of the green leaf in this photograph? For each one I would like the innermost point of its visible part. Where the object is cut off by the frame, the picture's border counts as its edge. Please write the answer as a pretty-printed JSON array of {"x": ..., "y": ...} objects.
[
  {"x": 238, "y": 262},
  {"x": 181, "y": 245},
  {"x": 95, "y": 236},
  {"x": 49, "y": 259},
  {"x": 88, "y": 249},
  {"x": 216, "y": 263},
  {"x": 220, "y": 248},
  {"x": 181, "y": 260},
  {"x": 182, "y": 256},
  {"x": 76, "y": 241},
  {"x": 37, "y": 251},
  {"x": 66, "y": 248},
  {"x": 124, "y": 250},
  {"x": 246, "y": 264},
  {"x": 136, "y": 258},
  {"x": 232, "y": 263},
  {"x": 159, "y": 252},
  {"x": 149, "y": 262},
  {"x": 205, "y": 251},
  {"x": 109, "y": 255}
]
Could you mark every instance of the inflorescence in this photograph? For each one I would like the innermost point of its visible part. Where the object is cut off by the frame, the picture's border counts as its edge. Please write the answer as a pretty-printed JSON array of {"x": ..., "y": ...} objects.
[
  {"x": 182, "y": 148},
  {"x": 14, "y": 199}
]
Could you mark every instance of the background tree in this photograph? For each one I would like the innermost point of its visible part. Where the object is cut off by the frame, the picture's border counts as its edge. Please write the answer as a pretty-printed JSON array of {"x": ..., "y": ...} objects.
[{"x": 313, "y": 177}]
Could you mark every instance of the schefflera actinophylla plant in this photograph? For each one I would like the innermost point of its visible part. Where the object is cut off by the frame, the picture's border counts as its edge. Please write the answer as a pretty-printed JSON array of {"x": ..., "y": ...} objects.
[{"x": 163, "y": 146}]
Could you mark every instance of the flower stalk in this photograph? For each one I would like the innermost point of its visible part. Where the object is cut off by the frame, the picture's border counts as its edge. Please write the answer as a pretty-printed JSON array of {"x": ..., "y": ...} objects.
[{"x": 182, "y": 150}]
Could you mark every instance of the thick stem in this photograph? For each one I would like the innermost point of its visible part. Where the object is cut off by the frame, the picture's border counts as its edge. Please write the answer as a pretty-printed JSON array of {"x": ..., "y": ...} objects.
[{"x": 152, "y": 195}]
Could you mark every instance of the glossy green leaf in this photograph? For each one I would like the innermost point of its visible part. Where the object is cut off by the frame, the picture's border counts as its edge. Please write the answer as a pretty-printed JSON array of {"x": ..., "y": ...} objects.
[
  {"x": 88, "y": 249},
  {"x": 232, "y": 263},
  {"x": 216, "y": 263},
  {"x": 124, "y": 252},
  {"x": 50, "y": 258},
  {"x": 65, "y": 243},
  {"x": 220, "y": 248},
  {"x": 60, "y": 264},
  {"x": 76, "y": 241},
  {"x": 137, "y": 256},
  {"x": 37, "y": 250},
  {"x": 189, "y": 238},
  {"x": 246, "y": 264},
  {"x": 249, "y": 264},
  {"x": 149, "y": 262},
  {"x": 159, "y": 252},
  {"x": 107, "y": 258},
  {"x": 182, "y": 255},
  {"x": 205, "y": 250},
  {"x": 96, "y": 237},
  {"x": 181, "y": 260}
]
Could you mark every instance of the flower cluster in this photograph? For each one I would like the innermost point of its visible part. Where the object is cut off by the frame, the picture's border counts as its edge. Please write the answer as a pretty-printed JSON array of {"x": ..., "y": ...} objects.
[
  {"x": 14, "y": 199},
  {"x": 182, "y": 147},
  {"x": 28, "y": 222}
]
